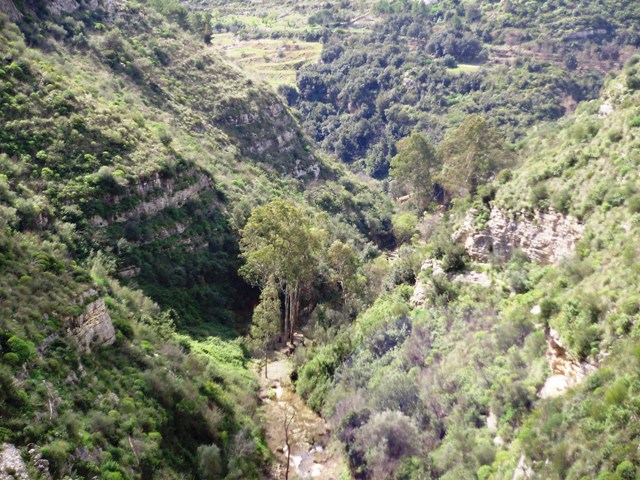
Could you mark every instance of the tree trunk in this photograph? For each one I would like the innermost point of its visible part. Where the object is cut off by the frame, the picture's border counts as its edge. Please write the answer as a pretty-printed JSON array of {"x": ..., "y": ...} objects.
[
  {"x": 287, "y": 312},
  {"x": 266, "y": 361},
  {"x": 293, "y": 311}
]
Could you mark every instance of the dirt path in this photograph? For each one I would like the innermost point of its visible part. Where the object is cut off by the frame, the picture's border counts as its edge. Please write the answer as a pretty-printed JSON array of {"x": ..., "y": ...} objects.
[{"x": 312, "y": 453}]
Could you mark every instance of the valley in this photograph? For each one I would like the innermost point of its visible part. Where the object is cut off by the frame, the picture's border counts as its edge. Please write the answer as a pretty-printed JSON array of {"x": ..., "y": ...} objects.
[{"x": 362, "y": 240}]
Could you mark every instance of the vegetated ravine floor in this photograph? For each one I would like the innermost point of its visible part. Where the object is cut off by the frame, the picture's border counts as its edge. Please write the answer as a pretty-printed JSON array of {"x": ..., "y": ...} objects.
[{"x": 313, "y": 454}]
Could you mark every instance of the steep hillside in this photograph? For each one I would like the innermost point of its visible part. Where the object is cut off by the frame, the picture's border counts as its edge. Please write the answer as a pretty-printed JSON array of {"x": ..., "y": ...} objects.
[
  {"x": 131, "y": 154},
  {"x": 389, "y": 67},
  {"x": 428, "y": 65},
  {"x": 515, "y": 356}
]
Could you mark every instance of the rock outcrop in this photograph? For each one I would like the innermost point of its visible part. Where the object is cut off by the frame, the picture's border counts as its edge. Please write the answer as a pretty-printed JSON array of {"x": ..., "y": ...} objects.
[
  {"x": 156, "y": 194},
  {"x": 566, "y": 371},
  {"x": 60, "y": 7},
  {"x": 545, "y": 238},
  {"x": 8, "y": 8},
  {"x": 12, "y": 466},
  {"x": 93, "y": 328}
]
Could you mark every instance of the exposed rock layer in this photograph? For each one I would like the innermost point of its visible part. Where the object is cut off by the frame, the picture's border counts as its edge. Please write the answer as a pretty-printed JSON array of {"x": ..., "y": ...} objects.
[
  {"x": 545, "y": 238},
  {"x": 93, "y": 328},
  {"x": 566, "y": 371},
  {"x": 12, "y": 466},
  {"x": 9, "y": 9}
]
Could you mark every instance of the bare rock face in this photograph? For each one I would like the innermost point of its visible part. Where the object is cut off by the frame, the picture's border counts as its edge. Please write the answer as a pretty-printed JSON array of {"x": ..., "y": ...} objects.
[
  {"x": 59, "y": 7},
  {"x": 8, "y": 8},
  {"x": 12, "y": 466},
  {"x": 566, "y": 371},
  {"x": 523, "y": 471},
  {"x": 93, "y": 328},
  {"x": 157, "y": 194},
  {"x": 545, "y": 238}
]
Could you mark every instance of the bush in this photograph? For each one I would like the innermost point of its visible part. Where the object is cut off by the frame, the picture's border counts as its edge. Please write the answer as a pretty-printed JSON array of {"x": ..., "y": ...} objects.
[
  {"x": 404, "y": 226},
  {"x": 548, "y": 308},
  {"x": 11, "y": 358},
  {"x": 57, "y": 452},
  {"x": 387, "y": 438},
  {"x": 453, "y": 259},
  {"x": 626, "y": 471},
  {"x": 209, "y": 462},
  {"x": 633, "y": 82},
  {"x": 561, "y": 201},
  {"x": 539, "y": 194},
  {"x": 617, "y": 393},
  {"x": 24, "y": 349}
]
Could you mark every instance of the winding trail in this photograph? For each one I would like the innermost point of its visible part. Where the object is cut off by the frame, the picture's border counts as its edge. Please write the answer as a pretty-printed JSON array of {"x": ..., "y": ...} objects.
[{"x": 313, "y": 455}]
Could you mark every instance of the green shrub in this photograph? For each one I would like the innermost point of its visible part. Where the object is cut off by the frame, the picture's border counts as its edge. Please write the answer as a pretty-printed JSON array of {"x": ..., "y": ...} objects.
[
  {"x": 633, "y": 82},
  {"x": 24, "y": 349},
  {"x": 209, "y": 462},
  {"x": 634, "y": 204},
  {"x": 453, "y": 260},
  {"x": 57, "y": 452},
  {"x": 11, "y": 358},
  {"x": 561, "y": 201},
  {"x": 539, "y": 194},
  {"x": 626, "y": 471},
  {"x": 631, "y": 305},
  {"x": 617, "y": 393},
  {"x": 615, "y": 136},
  {"x": 404, "y": 226},
  {"x": 548, "y": 307},
  {"x": 635, "y": 122}
]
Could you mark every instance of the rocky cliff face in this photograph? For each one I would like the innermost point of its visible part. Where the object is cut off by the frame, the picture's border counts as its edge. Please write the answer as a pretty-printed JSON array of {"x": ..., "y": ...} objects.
[
  {"x": 93, "y": 328},
  {"x": 545, "y": 238},
  {"x": 12, "y": 466},
  {"x": 59, "y": 7},
  {"x": 8, "y": 8},
  {"x": 566, "y": 371},
  {"x": 156, "y": 194}
]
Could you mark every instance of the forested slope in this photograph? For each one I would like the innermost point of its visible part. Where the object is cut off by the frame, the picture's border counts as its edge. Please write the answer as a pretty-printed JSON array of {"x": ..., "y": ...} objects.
[
  {"x": 427, "y": 65},
  {"x": 515, "y": 353},
  {"x": 131, "y": 154}
]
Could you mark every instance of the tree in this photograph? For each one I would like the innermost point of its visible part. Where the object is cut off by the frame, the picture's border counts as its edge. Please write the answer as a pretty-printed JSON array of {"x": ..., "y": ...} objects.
[
  {"x": 280, "y": 241},
  {"x": 415, "y": 166},
  {"x": 471, "y": 154},
  {"x": 343, "y": 260},
  {"x": 266, "y": 320}
]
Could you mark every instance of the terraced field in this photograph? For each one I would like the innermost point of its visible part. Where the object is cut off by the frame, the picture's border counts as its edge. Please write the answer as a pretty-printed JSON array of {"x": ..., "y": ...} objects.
[{"x": 272, "y": 60}]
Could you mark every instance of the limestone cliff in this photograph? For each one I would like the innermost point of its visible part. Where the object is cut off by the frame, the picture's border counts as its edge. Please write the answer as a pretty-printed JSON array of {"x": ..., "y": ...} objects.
[
  {"x": 93, "y": 328},
  {"x": 12, "y": 466},
  {"x": 59, "y": 7},
  {"x": 545, "y": 238},
  {"x": 566, "y": 371}
]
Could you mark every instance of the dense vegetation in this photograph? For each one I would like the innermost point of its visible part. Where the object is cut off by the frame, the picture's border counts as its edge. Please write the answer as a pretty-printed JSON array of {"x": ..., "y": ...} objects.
[
  {"x": 142, "y": 171},
  {"x": 450, "y": 388},
  {"x": 426, "y": 67},
  {"x": 131, "y": 156}
]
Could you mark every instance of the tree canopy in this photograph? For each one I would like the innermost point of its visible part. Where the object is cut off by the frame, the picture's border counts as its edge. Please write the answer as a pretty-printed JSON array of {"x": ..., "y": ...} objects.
[
  {"x": 280, "y": 241},
  {"x": 471, "y": 154},
  {"x": 415, "y": 166}
]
